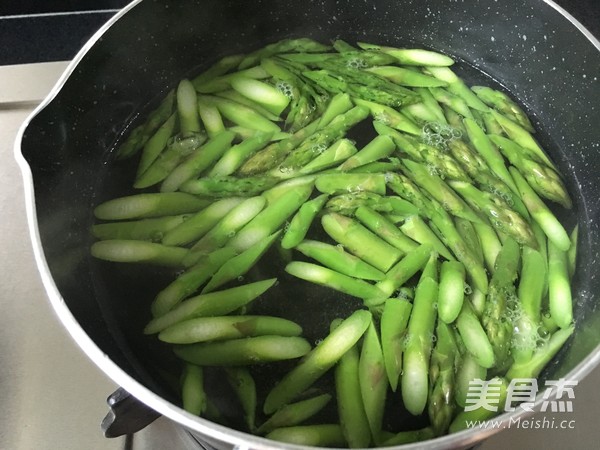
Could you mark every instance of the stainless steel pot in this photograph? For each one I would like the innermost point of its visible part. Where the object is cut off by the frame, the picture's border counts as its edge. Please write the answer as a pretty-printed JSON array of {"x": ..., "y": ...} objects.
[{"x": 532, "y": 47}]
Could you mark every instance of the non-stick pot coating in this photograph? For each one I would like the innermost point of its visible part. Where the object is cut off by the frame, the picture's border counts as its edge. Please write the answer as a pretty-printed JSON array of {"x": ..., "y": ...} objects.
[{"x": 527, "y": 46}]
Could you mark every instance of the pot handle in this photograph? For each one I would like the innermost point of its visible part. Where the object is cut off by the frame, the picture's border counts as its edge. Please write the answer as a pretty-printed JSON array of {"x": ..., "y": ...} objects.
[{"x": 127, "y": 415}]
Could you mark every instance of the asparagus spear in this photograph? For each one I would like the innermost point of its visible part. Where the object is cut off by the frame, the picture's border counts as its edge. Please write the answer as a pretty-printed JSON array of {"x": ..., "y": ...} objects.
[
  {"x": 336, "y": 153},
  {"x": 541, "y": 357},
  {"x": 502, "y": 218},
  {"x": 140, "y": 135},
  {"x": 318, "y": 361},
  {"x": 433, "y": 105},
  {"x": 373, "y": 381},
  {"x": 361, "y": 85},
  {"x": 235, "y": 156},
  {"x": 468, "y": 232},
  {"x": 436, "y": 160},
  {"x": 453, "y": 102},
  {"x": 189, "y": 281},
  {"x": 442, "y": 220},
  {"x": 457, "y": 87},
  {"x": 394, "y": 321},
  {"x": 200, "y": 223},
  {"x": 325, "y": 435},
  {"x": 334, "y": 183},
  {"x": 541, "y": 214},
  {"x": 385, "y": 229},
  {"x": 530, "y": 292},
  {"x": 504, "y": 104},
  {"x": 295, "y": 413},
  {"x": 240, "y": 264},
  {"x": 239, "y": 98},
  {"x": 411, "y": 57},
  {"x": 262, "y": 93},
  {"x": 156, "y": 144},
  {"x": 229, "y": 186},
  {"x": 464, "y": 419},
  {"x": 572, "y": 252},
  {"x": 300, "y": 223},
  {"x": 243, "y": 384},
  {"x": 440, "y": 406},
  {"x": 149, "y": 205},
  {"x": 488, "y": 152},
  {"x": 206, "y": 329},
  {"x": 178, "y": 148},
  {"x": 522, "y": 137},
  {"x": 468, "y": 369},
  {"x": 242, "y": 352},
  {"x": 143, "y": 230},
  {"x": 350, "y": 58},
  {"x": 339, "y": 104},
  {"x": 351, "y": 410},
  {"x": 309, "y": 148},
  {"x": 478, "y": 169},
  {"x": 226, "y": 228},
  {"x": 339, "y": 260},
  {"x": 272, "y": 155},
  {"x": 279, "y": 190},
  {"x": 213, "y": 304},
  {"x": 402, "y": 272},
  {"x": 285, "y": 45},
  {"x": 222, "y": 83},
  {"x": 192, "y": 390},
  {"x": 360, "y": 241},
  {"x": 420, "y": 114},
  {"x": 271, "y": 218},
  {"x": 347, "y": 204},
  {"x": 439, "y": 190},
  {"x": 452, "y": 290},
  {"x": 496, "y": 322},
  {"x": 121, "y": 250},
  {"x": 200, "y": 160},
  {"x": 490, "y": 244},
  {"x": 378, "y": 148},
  {"x": 559, "y": 289},
  {"x": 389, "y": 117},
  {"x": 474, "y": 336},
  {"x": 415, "y": 228},
  {"x": 210, "y": 117},
  {"x": 329, "y": 278},
  {"x": 415, "y": 379},
  {"x": 542, "y": 178},
  {"x": 243, "y": 115},
  {"x": 406, "y": 77}
]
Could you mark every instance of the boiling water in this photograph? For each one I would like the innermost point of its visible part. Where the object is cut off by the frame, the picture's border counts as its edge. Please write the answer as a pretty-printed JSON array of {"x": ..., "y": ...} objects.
[{"x": 126, "y": 292}]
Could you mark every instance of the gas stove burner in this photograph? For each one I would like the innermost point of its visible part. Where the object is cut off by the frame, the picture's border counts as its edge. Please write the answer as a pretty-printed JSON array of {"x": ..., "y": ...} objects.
[{"x": 201, "y": 444}]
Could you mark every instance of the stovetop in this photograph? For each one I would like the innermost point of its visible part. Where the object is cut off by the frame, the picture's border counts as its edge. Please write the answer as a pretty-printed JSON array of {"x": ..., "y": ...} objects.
[
  {"x": 52, "y": 395},
  {"x": 54, "y": 30}
]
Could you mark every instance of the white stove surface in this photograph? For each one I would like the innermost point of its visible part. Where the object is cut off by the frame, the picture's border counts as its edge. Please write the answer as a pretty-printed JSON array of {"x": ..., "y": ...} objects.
[{"x": 53, "y": 396}]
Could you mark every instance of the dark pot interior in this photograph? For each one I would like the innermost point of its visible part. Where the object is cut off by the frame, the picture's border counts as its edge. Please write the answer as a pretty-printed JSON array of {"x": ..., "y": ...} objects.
[{"x": 526, "y": 46}]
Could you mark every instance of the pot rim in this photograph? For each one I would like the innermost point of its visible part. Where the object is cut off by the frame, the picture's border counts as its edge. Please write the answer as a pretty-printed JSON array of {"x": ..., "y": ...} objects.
[{"x": 239, "y": 439}]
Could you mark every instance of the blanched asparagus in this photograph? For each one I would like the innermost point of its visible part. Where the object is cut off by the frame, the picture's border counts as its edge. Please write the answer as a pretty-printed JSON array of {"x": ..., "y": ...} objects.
[
  {"x": 295, "y": 413},
  {"x": 421, "y": 325},
  {"x": 360, "y": 241},
  {"x": 318, "y": 361},
  {"x": 502, "y": 294},
  {"x": 339, "y": 260},
  {"x": 432, "y": 174}
]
